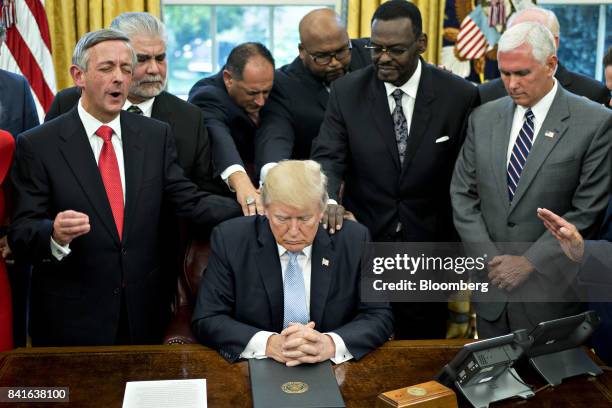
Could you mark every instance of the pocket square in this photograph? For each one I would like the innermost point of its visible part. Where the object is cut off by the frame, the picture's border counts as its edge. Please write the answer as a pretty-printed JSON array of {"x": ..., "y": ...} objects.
[{"x": 442, "y": 139}]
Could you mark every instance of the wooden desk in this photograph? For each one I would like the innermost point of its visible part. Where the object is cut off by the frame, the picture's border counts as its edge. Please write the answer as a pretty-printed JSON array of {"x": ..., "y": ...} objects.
[{"x": 97, "y": 375}]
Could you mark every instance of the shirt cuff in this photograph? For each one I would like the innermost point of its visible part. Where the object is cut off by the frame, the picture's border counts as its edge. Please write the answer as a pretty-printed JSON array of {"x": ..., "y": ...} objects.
[
  {"x": 342, "y": 353},
  {"x": 332, "y": 201},
  {"x": 264, "y": 172},
  {"x": 256, "y": 348},
  {"x": 58, "y": 251},
  {"x": 229, "y": 171}
]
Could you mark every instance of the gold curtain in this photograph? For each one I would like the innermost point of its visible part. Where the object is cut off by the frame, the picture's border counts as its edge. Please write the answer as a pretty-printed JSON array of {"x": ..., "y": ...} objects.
[
  {"x": 70, "y": 19},
  {"x": 360, "y": 12}
]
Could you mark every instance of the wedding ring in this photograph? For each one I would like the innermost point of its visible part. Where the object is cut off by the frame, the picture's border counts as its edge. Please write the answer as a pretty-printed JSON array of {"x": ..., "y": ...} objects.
[{"x": 250, "y": 200}]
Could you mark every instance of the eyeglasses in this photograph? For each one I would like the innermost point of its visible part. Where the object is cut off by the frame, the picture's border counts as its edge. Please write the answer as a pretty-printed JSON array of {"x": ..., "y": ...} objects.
[
  {"x": 324, "y": 58},
  {"x": 395, "y": 51}
]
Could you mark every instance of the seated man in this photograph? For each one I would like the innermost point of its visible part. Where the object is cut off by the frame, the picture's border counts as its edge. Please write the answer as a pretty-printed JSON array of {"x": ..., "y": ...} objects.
[{"x": 258, "y": 262}]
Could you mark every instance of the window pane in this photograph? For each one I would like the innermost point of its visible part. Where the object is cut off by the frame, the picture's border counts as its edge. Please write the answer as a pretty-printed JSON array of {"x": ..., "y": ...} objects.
[
  {"x": 608, "y": 28},
  {"x": 286, "y": 35},
  {"x": 189, "y": 45},
  {"x": 578, "y": 43}
]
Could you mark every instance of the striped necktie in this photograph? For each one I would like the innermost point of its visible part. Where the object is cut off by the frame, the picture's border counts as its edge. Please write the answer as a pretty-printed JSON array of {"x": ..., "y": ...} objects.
[{"x": 520, "y": 151}]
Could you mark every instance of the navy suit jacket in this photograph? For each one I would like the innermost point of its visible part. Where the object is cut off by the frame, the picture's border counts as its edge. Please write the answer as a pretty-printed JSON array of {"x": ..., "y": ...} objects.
[
  {"x": 572, "y": 81},
  {"x": 241, "y": 292},
  {"x": 291, "y": 118},
  {"x": 77, "y": 301},
  {"x": 231, "y": 130},
  {"x": 17, "y": 109}
]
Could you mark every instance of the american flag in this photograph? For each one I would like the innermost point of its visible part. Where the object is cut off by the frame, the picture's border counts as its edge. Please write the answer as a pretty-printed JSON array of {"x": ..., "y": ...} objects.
[
  {"x": 475, "y": 35},
  {"x": 27, "y": 49}
]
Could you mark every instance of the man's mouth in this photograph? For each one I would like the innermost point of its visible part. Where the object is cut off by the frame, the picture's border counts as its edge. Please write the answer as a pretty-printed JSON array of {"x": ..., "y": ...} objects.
[{"x": 115, "y": 94}]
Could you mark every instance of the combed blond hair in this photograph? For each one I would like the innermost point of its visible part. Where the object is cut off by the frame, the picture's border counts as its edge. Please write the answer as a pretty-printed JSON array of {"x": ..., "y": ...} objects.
[{"x": 296, "y": 183}]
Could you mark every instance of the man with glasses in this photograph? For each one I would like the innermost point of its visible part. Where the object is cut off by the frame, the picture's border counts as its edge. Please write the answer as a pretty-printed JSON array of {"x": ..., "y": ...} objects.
[
  {"x": 392, "y": 132},
  {"x": 293, "y": 115}
]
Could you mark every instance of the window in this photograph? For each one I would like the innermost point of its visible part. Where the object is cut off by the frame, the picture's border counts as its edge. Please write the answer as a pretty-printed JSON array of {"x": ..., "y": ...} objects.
[
  {"x": 201, "y": 34},
  {"x": 586, "y": 32}
]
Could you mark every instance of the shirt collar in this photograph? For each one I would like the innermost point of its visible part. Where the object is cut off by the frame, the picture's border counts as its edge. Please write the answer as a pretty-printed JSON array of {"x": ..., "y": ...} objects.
[
  {"x": 282, "y": 250},
  {"x": 409, "y": 87},
  {"x": 146, "y": 107},
  {"x": 541, "y": 108},
  {"x": 91, "y": 124}
]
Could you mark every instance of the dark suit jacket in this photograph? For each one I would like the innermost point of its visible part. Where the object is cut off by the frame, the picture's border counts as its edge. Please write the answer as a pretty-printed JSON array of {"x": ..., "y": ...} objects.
[
  {"x": 291, "y": 118},
  {"x": 231, "y": 130},
  {"x": 242, "y": 290},
  {"x": 17, "y": 109},
  {"x": 357, "y": 144},
  {"x": 572, "y": 81},
  {"x": 76, "y": 301},
  {"x": 185, "y": 120}
]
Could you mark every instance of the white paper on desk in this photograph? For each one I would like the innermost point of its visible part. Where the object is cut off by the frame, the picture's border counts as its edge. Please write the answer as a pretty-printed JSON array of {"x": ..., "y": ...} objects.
[{"x": 165, "y": 394}]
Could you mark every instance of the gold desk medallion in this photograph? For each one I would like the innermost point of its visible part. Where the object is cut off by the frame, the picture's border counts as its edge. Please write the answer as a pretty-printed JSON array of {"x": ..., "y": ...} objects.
[{"x": 294, "y": 387}]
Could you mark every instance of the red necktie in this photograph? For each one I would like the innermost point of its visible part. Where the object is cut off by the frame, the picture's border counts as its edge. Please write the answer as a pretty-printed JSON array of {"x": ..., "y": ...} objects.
[{"x": 109, "y": 170}]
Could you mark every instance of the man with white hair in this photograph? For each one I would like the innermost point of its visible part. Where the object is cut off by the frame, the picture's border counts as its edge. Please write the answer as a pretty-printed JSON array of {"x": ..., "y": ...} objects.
[
  {"x": 572, "y": 81},
  {"x": 147, "y": 97},
  {"x": 280, "y": 287},
  {"x": 541, "y": 146}
]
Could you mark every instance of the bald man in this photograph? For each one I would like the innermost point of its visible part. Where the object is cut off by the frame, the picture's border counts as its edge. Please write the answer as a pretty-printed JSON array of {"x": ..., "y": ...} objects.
[
  {"x": 572, "y": 81},
  {"x": 294, "y": 112}
]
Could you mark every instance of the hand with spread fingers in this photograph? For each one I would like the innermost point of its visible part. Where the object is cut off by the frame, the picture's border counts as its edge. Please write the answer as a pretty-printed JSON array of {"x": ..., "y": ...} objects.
[
  {"x": 334, "y": 216},
  {"x": 246, "y": 194},
  {"x": 508, "y": 272},
  {"x": 566, "y": 233},
  {"x": 304, "y": 344},
  {"x": 69, "y": 225}
]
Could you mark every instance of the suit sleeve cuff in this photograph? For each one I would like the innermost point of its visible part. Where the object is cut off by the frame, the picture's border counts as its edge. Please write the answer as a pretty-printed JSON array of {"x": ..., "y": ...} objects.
[
  {"x": 58, "y": 251},
  {"x": 256, "y": 347},
  {"x": 225, "y": 175},
  {"x": 264, "y": 172},
  {"x": 342, "y": 353}
]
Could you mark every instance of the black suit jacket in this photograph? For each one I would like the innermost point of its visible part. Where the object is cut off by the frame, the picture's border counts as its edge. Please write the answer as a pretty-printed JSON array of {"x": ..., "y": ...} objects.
[
  {"x": 186, "y": 122},
  {"x": 357, "y": 144},
  {"x": 572, "y": 81},
  {"x": 292, "y": 116},
  {"x": 76, "y": 301},
  {"x": 17, "y": 108},
  {"x": 231, "y": 130},
  {"x": 242, "y": 290}
]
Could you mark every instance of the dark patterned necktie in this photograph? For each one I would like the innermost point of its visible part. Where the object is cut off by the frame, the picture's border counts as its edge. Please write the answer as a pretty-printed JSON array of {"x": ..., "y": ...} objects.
[
  {"x": 135, "y": 109},
  {"x": 400, "y": 124},
  {"x": 520, "y": 151}
]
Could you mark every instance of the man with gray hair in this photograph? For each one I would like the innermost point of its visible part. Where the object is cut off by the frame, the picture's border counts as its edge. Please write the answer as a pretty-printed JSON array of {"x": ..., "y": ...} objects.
[
  {"x": 89, "y": 187},
  {"x": 280, "y": 287},
  {"x": 541, "y": 146},
  {"x": 147, "y": 96},
  {"x": 572, "y": 81}
]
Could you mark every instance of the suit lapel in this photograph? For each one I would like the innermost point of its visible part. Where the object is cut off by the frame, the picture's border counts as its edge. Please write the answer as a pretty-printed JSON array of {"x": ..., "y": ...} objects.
[
  {"x": 382, "y": 117},
  {"x": 499, "y": 148},
  {"x": 269, "y": 267},
  {"x": 323, "y": 267},
  {"x": 161, "y": 111},
  {"x": 420, "y": 115},
  {"x": 543, "y": 145},
  {"x": 80, "y": 158},
  {"x": 133, "y": 158}
]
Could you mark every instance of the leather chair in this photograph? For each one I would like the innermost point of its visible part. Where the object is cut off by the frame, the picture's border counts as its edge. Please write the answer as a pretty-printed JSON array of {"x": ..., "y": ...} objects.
[{"x": 193, "y": 266}]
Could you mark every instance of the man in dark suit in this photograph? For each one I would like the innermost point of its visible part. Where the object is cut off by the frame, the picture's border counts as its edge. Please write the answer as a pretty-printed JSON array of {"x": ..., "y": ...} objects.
[
  {"x": 89, "y": 187},
  {"x": 231, "y": 101},
  {"x": 147, "y": 95},
  {"x": 572, "y": 81},
  {"x": 280, "y": 287},
  {"x": 17, "y": 109},
  {"x": 291, "y": 118},
  {"x": 398, "y": 190}
]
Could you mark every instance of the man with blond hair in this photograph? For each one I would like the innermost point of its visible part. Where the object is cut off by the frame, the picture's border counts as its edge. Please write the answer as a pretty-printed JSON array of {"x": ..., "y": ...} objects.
[{"x": 280, "y": 287}]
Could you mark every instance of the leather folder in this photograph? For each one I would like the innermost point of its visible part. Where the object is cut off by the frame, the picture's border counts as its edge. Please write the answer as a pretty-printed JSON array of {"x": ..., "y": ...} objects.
[{"x": 306, "y": 386}]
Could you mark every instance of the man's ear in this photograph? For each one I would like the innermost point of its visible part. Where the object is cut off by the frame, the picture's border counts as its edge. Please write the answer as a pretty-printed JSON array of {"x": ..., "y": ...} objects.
[
  {"x": 77, "y": 75},
  {"x": 422, "y": 43},
  {"x": 302, "y": 51},
  {"x": 227, "y": 78},
  {"x": 551, "y": 63}
]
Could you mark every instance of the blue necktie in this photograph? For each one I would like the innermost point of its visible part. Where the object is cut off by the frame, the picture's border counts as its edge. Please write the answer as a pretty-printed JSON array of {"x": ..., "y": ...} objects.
[
  {"x": 520, "y": 151},
  {"x": 400, "y": 124},
  {"x": 294, "y": 293}
]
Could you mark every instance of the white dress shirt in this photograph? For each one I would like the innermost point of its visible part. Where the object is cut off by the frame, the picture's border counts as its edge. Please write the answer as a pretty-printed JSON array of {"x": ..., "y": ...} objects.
[
  {"x": 146, "y": 107},
  {"x": 256, "y": 348},
  {"x": 91, "y": 125},
  {"x": 540, "y": 110},
  {"x": 409, "y": 88}
]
